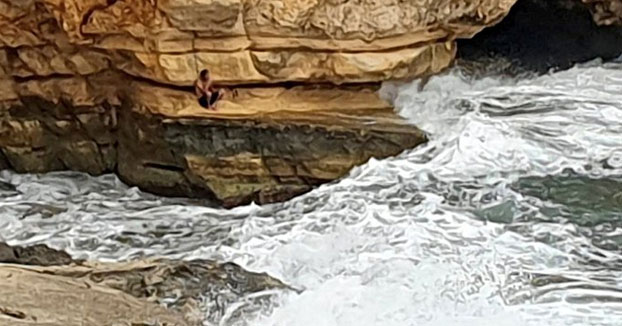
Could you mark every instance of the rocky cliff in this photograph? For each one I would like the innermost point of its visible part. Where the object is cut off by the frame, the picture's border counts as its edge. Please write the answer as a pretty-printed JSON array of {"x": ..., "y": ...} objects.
[{"x": 104, "y": 86}]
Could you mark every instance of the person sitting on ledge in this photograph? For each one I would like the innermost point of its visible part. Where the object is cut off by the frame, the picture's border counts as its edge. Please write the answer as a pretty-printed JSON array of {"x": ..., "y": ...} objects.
[{"x": 207, "y": 94}]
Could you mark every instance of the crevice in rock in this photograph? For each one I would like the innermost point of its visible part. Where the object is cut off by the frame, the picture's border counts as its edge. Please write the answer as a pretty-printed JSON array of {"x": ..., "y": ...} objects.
[
  {"x": 164, "y": 166},
  {"x": 284, "y": 84},
  {"x": 4, "y": 162},
  {"x": 12, "y": 313},
  {"x": 122, "y": 75},
  {"x": 539, "y": 35},
  {"x": 89, "y": 13},
  {"x": 23, "y": 79}
]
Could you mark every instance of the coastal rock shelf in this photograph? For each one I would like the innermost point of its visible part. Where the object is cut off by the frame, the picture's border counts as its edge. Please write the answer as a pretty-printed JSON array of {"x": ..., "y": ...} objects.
[
  {"x": 142, "y": 292},
  {"x": 104, "y": 86},
  {"x": 264, "y": 144}
]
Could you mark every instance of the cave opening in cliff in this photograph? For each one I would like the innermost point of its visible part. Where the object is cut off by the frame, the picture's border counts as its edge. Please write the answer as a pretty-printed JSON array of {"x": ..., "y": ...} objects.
[{"x": 542, "y": 34}]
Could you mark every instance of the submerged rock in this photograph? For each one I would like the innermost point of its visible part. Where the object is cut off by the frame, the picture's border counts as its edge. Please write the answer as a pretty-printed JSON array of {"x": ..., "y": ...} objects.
[
  {"x": 578, "y": 199},
  {"x": 143, "y": 292}
]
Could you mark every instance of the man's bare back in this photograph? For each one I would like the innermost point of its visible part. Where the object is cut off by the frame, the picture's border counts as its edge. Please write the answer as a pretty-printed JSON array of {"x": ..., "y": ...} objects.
[{"x": 206, "y": 93}]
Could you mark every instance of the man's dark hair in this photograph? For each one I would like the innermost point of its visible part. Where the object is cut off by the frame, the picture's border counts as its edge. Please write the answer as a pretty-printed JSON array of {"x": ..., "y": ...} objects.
[{"x": 204, "y": 73}]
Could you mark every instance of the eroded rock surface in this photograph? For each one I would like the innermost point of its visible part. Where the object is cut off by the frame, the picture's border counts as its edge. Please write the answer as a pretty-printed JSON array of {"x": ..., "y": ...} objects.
[
  {"x": 243, "y": 41},
  {"x": 104, "y": 86},
  {"x": 146, "y": 292}
]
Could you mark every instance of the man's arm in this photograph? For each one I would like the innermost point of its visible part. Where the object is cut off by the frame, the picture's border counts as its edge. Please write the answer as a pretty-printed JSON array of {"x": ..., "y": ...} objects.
[
  {"x": 209, "y": 87},
  {"x": 197, "y": 90}
]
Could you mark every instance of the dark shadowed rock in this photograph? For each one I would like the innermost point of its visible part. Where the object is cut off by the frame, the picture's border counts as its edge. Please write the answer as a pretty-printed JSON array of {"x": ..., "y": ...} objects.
[
  {"x": 40, "y": 255},
  {"x": 544, "y": 34},
  {"x": 7, "y": 187}
]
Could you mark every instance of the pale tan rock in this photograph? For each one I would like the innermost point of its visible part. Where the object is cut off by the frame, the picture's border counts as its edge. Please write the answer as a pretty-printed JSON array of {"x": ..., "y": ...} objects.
[
  {"x": 362, "y": 25},
  {"x": 79, "y": 91},
  {"x": 38, "y": 283},
  {"x": 215, "y": 18},
  {"x": 254, "y": 41},
  {"x": 354, "y": 67},
  {"x": 31, "y": 298},
  {"x": 254, "y": 102},
  {"x": 261, "y": 67},
  {"x": 263, "y": 144},
  {"x": 368, "y": 24},
  {"x": 71, "y": 13},
  {"x": 48, "y": 60}
]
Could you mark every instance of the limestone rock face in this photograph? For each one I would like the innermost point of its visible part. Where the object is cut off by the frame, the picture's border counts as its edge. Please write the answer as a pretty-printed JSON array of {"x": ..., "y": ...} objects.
[
  {"x": 243, "y": 41},
  {"x": 105, "y": 86}
]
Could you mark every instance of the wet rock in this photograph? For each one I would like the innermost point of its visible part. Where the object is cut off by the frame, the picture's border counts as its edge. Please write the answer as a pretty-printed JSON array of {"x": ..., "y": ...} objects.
[
  {"x": 182, "y": 292},
  {"x": 40, "y": 255},
  {"x": 4, "y": 164},
  {"x": 43, "y": 210},
  {"x": 7, "y": 187},
  {"x": 7, "y": 255}
]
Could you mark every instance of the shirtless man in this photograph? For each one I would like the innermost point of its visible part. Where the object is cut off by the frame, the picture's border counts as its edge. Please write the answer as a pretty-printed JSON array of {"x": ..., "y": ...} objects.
[{"x": 207, "y": 94}]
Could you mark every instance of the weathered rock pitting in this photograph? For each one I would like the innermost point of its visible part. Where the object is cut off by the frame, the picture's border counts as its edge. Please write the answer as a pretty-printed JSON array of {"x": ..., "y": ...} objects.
[{"x": 244, "y": 41}]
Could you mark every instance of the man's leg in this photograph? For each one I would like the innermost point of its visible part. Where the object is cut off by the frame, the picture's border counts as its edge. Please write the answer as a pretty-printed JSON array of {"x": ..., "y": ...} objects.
[
  {"x": 216, "y": 95},
  {"x": 203, "y": 101}
]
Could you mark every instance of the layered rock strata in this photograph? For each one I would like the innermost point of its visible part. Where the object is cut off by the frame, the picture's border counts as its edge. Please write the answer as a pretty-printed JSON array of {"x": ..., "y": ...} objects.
[
  {"x": 105, "y": 86},
  {"x": 145, "y": 292}
]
